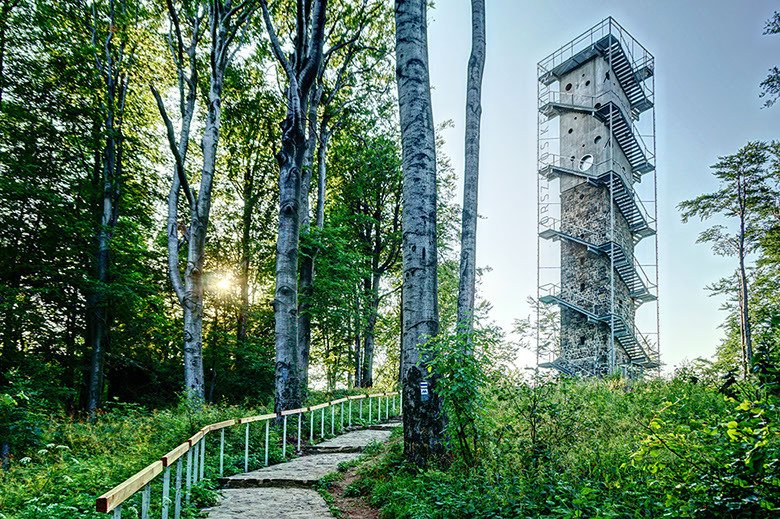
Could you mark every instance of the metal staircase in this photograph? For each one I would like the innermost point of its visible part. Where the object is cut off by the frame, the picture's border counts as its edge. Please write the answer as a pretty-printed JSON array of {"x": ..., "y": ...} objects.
[
  {"x": 623, "y": 195},
  {"x": 629, "y": 75},
  {"x": 624, "y": 334},
  {"x": 607, "y": 112},
  {"x": 625, "y": 136},
  {"x": 624, "y": 263}
]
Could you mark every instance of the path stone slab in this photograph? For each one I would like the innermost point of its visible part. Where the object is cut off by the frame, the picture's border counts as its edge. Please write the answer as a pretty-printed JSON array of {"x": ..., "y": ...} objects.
[
  {"x": 301, "y": 472},
  {"x": 386, "y": 426},
  {"x": 270, "y": 503},
  {"x": 354, "y": 441}
]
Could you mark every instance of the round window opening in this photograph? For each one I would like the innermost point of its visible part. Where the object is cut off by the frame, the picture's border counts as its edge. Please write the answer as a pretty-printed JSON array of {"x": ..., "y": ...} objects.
[
  {"x": 570, "y": 130},
  {"x": 586, "y": 162},
  {"x": 587, "y": 83},
  {"x": 568, "y": 87},
  {"x": 597, "y": 139}
]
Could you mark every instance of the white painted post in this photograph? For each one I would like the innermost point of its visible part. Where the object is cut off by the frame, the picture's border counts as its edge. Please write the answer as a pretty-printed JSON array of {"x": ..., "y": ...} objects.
[
  {"x": 202, "y": 456},
  {"x": 189, "y": 477},
  {"x": 146, "y": 498},
  {"x": 342, "y": 416},
  {"x": 166, "y": 492},
  {"x": 266, "y": 443},
  {"x": 221, "y": 452},
  {"x": 311, "y": 429},
  {"x": 387, "y": 408},
  {"x": 332, "y": 420},
  {"x": 350, "y": 413},
  {"x": 322, "y": 425},
  {"x": 195, "y": 458},
  {"x": 246, "y": 449},
  {"x": 177, "y": 499},
  {"x": 369, "y": 410},
  {"x": 284, "y": 437},
  {"x": 118, "y": 512},
  {"x": 379, "y": 409},
  {"x": 300, "y": 420},
  {"x": 361, "y": 409}
]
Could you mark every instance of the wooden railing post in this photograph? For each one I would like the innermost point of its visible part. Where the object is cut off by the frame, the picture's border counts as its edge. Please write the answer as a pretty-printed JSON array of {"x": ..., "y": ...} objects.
[
  {"x": 221, "y": 452},
  {"x": 284, "y": 437},
  {"x": 300, "y": 420},
  {"x": 266, "y": 442},
  {"x": 246, "y": 449},
  {"x": 177, "y": 500},
  {"x": 189, "y": 477},
  {"x": 146, "y": 499},
  {"x": 166, "y": 492}
]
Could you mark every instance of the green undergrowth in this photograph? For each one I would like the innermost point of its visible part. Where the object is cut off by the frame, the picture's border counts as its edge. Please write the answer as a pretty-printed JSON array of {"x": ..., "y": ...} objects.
[
  {"x": 609, "y": 448},
  {"x": 65, "y": 463}
]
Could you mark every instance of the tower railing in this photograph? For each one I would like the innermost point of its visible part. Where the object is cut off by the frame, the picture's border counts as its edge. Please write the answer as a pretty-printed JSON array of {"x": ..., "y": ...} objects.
[{"x": 597, "y": 171}]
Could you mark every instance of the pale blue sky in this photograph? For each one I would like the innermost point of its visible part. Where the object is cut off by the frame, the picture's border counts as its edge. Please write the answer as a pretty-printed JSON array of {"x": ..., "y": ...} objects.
[{"x": 710, "y": 58}]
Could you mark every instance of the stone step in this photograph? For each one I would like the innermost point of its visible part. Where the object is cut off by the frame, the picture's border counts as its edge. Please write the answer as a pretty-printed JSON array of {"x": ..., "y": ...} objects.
[{"x": 269, "y": 503}]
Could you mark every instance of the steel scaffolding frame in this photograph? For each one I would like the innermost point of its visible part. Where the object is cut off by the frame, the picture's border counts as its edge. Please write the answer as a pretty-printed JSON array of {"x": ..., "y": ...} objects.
[{"x": 630, "y": 123}]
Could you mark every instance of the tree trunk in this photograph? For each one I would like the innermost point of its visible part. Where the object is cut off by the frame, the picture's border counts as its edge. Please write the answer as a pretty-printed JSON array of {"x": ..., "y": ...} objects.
[
  {"x": 116, "y": 84},
  {"x": 288, "y": 377},
  {"x": 744, "y": 315},
  {"x": 468, "y": 240},
  {"x": 423, "y": 415},
  {"x": 246, "y": 237},
  {"x": 301, "y": 69}
]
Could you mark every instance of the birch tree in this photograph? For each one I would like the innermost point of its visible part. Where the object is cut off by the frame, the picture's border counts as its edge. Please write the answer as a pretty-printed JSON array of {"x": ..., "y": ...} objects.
[
  {"x": 188, "y": 22},
  {"x": 300, "y": 69},
  {"x": 468, "y": 239},
  {"x": 424, "y": 420}
]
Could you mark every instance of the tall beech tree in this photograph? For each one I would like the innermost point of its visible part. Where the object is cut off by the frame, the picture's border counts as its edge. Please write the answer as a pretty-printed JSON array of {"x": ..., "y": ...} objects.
[
  {"x": 113, "y": 56},
  {"x": 224, "y": 22},
  {"x": 356, "y": 51},
  {"x": 468, "y": 240},
  {"x": 300, "y": 68},
  {"x": 424, "y": 420}
]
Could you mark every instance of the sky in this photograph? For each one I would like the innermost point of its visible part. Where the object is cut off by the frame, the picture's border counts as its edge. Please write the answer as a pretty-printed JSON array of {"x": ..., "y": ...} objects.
[{"x": 710, "y": 58}]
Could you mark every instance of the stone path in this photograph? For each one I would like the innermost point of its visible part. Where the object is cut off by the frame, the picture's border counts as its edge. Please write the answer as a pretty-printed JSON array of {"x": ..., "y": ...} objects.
[{"x": 285, "y": 491}]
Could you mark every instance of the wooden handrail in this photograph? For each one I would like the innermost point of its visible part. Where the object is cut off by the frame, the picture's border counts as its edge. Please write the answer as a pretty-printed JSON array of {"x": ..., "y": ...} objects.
[
  {"x": 175, "y": 454},
  {"x": 120, "y": 493},
  {"x": 117, "y": 495},
  {"x": 258, "y": 418}
]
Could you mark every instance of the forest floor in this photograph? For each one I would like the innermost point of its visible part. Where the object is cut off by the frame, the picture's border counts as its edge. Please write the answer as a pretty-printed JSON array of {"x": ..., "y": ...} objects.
[{"x": 290, "y": 490}]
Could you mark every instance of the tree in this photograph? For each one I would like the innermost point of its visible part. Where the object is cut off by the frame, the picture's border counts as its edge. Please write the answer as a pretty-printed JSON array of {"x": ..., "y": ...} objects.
[
  {"x": 330, "y": 100},
  {"x": 770, "y": 87},
  {"x": 300, "y": 70},
  {"x": 113, "y": 55},
  {"x": 743, "y": 195},
  {"x": 424, "y": 420},
  {"x": 225, "y": 20},
  {"x": 468, "y": 240}
]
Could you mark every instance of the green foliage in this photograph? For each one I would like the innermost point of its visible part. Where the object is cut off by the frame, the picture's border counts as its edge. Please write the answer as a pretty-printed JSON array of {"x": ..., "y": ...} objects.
[{"x": 587, "y": 448}]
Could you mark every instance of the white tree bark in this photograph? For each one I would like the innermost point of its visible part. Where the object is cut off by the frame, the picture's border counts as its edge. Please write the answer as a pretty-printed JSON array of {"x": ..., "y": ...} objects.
[
  {"x": 423, "y": 416},
  {"x": 301, "y": 72},
  {"x": 468, "y": 240},
  {"x": 225, "y": 21}
]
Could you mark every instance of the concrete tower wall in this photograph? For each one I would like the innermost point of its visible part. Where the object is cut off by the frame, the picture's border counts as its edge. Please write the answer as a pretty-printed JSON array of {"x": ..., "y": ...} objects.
[{"x": 585, "y": 214}]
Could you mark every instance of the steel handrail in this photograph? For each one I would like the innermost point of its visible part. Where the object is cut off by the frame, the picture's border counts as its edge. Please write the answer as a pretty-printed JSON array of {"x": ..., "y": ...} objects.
[{"x": 194, "y": 450}]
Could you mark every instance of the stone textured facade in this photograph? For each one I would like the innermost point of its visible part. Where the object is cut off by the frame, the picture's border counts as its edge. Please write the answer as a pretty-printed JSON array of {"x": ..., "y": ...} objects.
[{"x": 588, "y": 214}]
